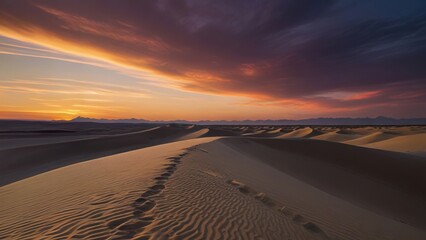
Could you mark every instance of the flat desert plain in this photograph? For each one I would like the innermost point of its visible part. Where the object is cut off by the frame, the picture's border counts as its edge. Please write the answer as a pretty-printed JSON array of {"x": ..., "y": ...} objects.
[{"x": 142, "y": 181}]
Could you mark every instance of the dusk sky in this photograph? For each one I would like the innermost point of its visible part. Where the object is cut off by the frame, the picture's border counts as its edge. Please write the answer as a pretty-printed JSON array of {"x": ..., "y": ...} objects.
[{"x": 215, "y": 59}]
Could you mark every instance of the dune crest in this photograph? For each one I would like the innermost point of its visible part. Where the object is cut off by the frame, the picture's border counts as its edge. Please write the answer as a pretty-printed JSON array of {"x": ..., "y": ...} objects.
[
  {"x": 101, "y": 195},
  {"x": 297, "y": 133},
  {"x": 336, "y": 136},
  {"x": 413, "y": 144},
  {"x": 371, "y": 138},
  {"x": 27, "y": 161}
]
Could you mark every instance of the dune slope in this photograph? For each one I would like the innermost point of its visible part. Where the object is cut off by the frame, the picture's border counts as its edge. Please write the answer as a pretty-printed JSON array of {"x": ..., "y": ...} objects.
[
  {"x": 335, "y": 137},
  {"x": 298, "y": 133},
  {"x": 413, "y": 144},
  {"x": 223, "y": 188},
  {"x": 377, "y": 180},
  {"x": 18, "y": 163},
  {"x": 371, "y": 138},
  {"x": 98, "y": 199}
]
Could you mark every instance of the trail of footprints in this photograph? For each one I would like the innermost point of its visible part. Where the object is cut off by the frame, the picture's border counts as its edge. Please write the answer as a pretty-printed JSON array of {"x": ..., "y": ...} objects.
[
  {"x": 263, "y": 198},
  {"x": 143, "y": 206}
]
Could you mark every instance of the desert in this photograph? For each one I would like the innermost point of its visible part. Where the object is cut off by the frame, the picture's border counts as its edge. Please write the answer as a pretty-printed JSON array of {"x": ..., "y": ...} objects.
[
  {"x": 213, "y": 120},
  {"x": 212, "y": 182}
]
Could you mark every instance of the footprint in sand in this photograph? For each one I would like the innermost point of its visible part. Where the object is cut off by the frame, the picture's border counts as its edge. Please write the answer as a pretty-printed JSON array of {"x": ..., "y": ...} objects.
[
  {"x": 298, "y": 218},
  {"x": 157, "y": 187},
  {"x": 240, "y": 186},
  {"x": 128, "y": 227},
  {"x": 262, "y": 197},
  {"x": 243, "y": 189},
  {"x": 161, "y": 178},
  {"x": 312, "y": 227},
  {"x": 165, "y": 175},
  {"x": 170, "y": 168},
  {"x": 146, "y": 206},
  {"x": 140, "y": 200},
  {"x": 170, "y": 164},
  {"x": 150, "y": 193},
  {"x": 286, "y": 211},
  {"x": 265, "y": 199}
]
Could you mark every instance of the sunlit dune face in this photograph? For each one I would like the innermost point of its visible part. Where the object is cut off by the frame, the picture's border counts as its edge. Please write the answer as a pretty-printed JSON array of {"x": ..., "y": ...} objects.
[{"x": 293, "y": 60}]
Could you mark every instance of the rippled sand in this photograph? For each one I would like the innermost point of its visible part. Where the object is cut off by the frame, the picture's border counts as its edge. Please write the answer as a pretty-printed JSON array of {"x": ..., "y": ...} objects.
[{"x": 274, "y": 183}]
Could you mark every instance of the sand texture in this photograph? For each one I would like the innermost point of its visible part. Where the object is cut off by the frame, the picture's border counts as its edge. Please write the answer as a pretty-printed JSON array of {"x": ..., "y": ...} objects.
[{"x": 218, "y": 182}]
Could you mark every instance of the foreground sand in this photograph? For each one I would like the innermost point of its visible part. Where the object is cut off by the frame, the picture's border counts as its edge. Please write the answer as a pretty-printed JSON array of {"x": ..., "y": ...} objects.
[
  {"x": 218, "y": 182},
  {"x": 224, "y": 188},
  {"x": 85, "y": 200}
]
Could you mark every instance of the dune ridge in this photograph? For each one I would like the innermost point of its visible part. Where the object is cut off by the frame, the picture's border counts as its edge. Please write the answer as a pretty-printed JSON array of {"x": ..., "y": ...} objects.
[
  {"x": 22, "y": 162},
  {"x": 297, "y": 133},
  {"x": 98, "y": 194},
  {"x": 413, "y": 144},
  {"x": 335, "y": 136},
  {"x": 371, "y": 138}
]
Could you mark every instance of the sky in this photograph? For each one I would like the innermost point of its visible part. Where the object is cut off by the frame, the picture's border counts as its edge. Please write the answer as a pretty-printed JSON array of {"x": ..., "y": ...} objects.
[{"x": 198, "y": 60}]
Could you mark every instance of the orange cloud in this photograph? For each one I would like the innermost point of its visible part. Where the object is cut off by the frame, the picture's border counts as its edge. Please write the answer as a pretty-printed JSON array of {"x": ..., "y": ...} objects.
[
  {"x": 363, "y": 95},
  {"x": 71, "y": 87}
]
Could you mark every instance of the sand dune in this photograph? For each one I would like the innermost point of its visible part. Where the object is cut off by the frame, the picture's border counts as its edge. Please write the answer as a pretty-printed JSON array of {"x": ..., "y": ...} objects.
[
  {"x": 16, "y": 142},
  {"x": 268, "y": 133},
  {"x": 335, "y": 136},
  {"x": 254, "y": 133},
  {"x": 216, "y": 131},
  {"x": 371, "y": 138},
  {"x": 287, "y": 181},
  {"x": 26, "y": 161},
  {"x": 15, "y": 134},
  {"x": 234, "y": 187},
  {"x": 321, "y": 163},
  {"x": 196, "y": 134},
  {"x": 94, "y": 199},
  {"x": 413, "y": 144},
  {"x": 298, "y": 133},
  {"x": 277, "y": 130}
]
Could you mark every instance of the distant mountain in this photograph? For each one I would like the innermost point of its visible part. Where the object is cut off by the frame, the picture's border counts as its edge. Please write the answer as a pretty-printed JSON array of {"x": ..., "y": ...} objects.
[
  {"x": 102, "y": 120},
  {"x": 310, "y": 121}
]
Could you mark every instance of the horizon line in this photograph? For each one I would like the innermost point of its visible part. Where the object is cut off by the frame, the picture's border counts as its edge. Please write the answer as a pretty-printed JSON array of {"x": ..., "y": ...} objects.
[{"x": 206, "y": 120}]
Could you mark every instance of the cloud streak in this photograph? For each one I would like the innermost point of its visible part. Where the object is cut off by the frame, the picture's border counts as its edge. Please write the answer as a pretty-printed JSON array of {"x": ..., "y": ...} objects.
[{"x": 71, "y": 87}]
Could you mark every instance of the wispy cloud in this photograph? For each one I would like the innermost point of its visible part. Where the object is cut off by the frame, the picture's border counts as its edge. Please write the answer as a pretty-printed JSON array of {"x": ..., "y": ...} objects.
[
  {"x": 53, "y": 58},
  {"x": 16, "y": 46},
  {"x": 71, "y": 87}
]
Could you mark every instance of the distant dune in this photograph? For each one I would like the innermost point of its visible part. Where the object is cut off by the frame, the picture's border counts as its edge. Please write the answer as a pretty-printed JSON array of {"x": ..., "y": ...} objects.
[
  {"x": 336, "y": 136},
  {"x": 297, "y": 133},
  {"x": 26, "y": 161},
  {"x": 414, "y": 144},
  {"x": 371, "y": 138}
]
